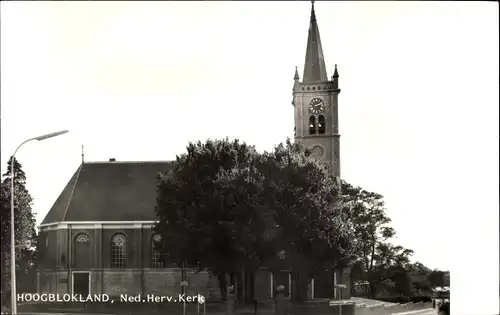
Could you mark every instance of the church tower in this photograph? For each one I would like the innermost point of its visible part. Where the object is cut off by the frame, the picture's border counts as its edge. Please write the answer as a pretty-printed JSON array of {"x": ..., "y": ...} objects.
[{"x": 315, "y": 101}]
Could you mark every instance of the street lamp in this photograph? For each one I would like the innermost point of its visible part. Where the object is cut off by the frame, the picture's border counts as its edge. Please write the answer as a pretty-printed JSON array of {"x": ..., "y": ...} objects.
[{"x": 12, "y": 218}]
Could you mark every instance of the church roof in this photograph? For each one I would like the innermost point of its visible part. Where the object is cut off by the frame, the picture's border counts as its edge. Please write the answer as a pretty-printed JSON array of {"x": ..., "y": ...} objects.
[
  {"x": 109, "y": 191},
  {"x": 314, "y": 65}
]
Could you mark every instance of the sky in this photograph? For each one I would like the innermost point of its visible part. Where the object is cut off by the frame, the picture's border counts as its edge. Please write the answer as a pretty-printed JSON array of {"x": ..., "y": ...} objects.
[{"x": 139, "y": 80}]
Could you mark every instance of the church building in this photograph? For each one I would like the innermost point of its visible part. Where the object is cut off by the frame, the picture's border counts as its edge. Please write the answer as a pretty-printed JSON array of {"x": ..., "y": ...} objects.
[{"x": 98, "y": 237}]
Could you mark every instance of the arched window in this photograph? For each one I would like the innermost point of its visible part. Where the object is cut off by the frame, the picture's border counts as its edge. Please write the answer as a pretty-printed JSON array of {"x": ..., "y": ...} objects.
[
  {"x": 321, "y": 124},
  {"x": 82, "y": 251},
  {"x": 156, "y": 261},
  {"x": 82, "y": 239},
  {"x": 119, "y": 251},
  {"x": 312, "y": 125}
]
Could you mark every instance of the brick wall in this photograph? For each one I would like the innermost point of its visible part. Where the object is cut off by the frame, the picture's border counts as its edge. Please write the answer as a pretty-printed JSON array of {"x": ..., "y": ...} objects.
[
  {"x": 121, "y": 282},
  {"x": 45, "y": 282},
  {"x": 96, "y": 282},
  {"x": 262, "y": 286},
  {"x": 167, "y": 282},
  {"x": 203, "y": 283},
  {"x": 53, "y": 282},
  {"x": 133, "y": 281},
  {"x": 346, "y": 279},
  {"x": 162, "y": 282},
  {"x": 47, "y": 249},
  {"x": 62, "y": 282}
]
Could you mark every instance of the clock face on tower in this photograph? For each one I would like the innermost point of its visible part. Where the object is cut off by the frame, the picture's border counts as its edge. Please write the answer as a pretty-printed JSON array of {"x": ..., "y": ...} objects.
[
  {"x": 316, "y": 106},
  {"x": 317, "y": 151}
]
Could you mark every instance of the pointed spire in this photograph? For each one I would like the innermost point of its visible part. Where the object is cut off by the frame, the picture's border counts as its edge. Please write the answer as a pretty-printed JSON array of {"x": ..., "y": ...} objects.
[
  {"x": 313, "y": 13},
  {"x": 296, "y": 77},
  {"x": 83, "y": 155},
  {"x": 335, "y": 78},
  {"x": 314, "y": 66},
  {"x": 296, "y": 83}
]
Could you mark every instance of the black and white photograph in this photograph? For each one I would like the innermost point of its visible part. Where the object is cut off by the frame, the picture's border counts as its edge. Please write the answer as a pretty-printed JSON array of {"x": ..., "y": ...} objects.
[{"x": 246, "y": 157}]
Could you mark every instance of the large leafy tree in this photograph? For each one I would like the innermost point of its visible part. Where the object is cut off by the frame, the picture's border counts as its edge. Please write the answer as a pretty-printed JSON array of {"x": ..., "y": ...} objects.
[
  {"x": 25, "y": 233},
  {"x": 202, "y": 202},
  {"x": 223, "y": 206},
  {"x": 314, "y": 229}
]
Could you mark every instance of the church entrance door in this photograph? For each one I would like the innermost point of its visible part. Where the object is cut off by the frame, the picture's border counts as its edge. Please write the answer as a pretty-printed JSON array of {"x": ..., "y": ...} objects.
[{"x": 81, "y": 282}]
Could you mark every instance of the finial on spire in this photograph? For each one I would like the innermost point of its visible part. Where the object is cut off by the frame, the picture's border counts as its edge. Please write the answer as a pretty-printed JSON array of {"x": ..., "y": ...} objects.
[
  {"x": 335, "y": 73},
  {"x": 296, "y": 77},
  {"x": 83, "y": 155},
  {"x": 313, "y": 14},
  {"x": 335, "y": 78}
]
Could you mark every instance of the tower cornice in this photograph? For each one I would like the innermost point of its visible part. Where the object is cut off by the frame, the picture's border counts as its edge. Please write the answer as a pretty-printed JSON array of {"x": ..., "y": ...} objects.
[{"x": 316, "y": 87}]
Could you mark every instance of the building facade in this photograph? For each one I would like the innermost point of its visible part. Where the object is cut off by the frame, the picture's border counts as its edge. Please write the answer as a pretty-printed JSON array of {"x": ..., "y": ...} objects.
[{"x": 98, "y": 236}]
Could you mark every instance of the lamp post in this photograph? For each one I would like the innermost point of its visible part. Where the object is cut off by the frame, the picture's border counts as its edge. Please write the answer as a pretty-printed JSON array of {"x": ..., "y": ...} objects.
[
  {"x": 184, "y": 285},
  {"x": 12, "y": 218}
]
